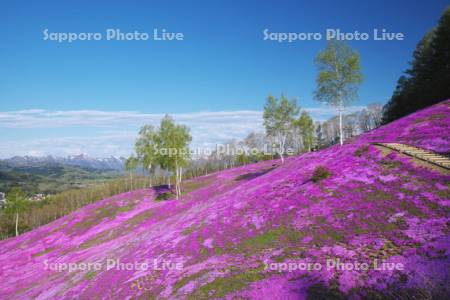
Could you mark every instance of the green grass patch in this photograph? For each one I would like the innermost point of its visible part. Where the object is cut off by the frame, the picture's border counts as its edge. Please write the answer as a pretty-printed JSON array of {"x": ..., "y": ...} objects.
[
  {"x": 280, "y": 237},
  {"x": 390, "y": 163},
  {"x": 411, "y": 208},
  {"x": 222, "y": 286},
  {"x": 179, "y": 284},
  {"x": 379, "y": 195},
  {"x": 43, "y": 252},
  {"x": 438, "y": 116},
  {"x": 189, "y": 186},
  {"x": 140, "y": 217},
  {"x": 165, "y": 196},
  {"x": 100, "y": 238},
  {"x": 265, "y": 240},
  {"x": 320, "y": 173},
  {"x": 362, "y": 150},
  {"x": 188, "y": 230},
  {"x": 90, "y": 275},
  {"x": 105, "y": 211}
]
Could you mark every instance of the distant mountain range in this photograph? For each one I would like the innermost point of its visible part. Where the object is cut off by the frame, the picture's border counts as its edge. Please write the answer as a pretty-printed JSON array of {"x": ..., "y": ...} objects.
[
  {"x": 357, "y": 221},
  {"x": 82, "y": 160},
  {"x": 52, "y": 174}
]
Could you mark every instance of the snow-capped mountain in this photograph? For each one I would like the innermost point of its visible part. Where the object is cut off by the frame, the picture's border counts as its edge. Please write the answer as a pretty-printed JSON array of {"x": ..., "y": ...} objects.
[{"x": 81, "y": 160}]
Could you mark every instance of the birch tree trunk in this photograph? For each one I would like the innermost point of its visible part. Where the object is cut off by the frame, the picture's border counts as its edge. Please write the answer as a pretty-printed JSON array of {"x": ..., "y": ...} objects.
[
  {"x": 17, "y": 223},
  {"x": 179, "y": 187},
  {"x": 178, "y": 171},
  {"x": 176, "y": 179},
  {"x": 131, "y": 181},
  {"x": 178, "y": 183},
  {"x": 149, "y": 167},
  {"x": 281, "y": 139}
]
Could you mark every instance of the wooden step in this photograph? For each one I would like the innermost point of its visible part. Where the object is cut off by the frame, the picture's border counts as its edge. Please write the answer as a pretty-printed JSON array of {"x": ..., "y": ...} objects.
[{"x": 422, "y": 154}]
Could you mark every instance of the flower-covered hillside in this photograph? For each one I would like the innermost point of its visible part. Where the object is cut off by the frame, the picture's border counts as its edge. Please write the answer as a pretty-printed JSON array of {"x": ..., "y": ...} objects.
[
  {"x": 428, "y": 129},
  {"x": 304, "y": 229}
]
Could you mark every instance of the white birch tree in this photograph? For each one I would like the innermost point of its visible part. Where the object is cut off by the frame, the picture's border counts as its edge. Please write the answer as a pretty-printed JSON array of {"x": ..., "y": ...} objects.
[
  {"x": 338, "y": 78},
  {"x": 279, "y": 115}
]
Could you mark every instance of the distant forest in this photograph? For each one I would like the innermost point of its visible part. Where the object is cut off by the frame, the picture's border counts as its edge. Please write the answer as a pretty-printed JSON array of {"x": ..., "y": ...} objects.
[{"x": 427, "y": 81}]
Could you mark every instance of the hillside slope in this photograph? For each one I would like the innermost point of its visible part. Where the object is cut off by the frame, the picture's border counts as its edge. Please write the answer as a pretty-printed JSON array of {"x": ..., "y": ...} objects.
[
  {"x": 50, "y": 175},
  {"x": 234, "y": 232}
]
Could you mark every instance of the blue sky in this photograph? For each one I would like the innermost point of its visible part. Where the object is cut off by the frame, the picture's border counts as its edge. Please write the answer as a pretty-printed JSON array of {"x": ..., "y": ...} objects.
[{"x": 223, "y": 64}]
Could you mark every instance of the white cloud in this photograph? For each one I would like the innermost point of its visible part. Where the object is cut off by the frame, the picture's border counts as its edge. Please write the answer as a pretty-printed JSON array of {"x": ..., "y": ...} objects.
[
  {"x": 47, "y": 119},
  {"x": 325, "y": 112},
  {"x": 117, "y": 129},
  {"x": 99, "y": 146}
]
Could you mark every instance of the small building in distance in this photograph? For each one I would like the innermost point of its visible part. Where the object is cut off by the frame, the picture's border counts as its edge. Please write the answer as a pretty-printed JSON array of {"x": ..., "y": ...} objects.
[{"x": 37, "y": 197}]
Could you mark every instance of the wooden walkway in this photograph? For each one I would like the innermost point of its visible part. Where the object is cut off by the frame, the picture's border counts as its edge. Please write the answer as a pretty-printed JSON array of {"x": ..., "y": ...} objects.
[{"x": 422, "y": 154}]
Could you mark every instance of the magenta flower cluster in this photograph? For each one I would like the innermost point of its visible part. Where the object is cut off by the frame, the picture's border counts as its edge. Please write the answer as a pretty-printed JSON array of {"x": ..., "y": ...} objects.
[{"x": 377, "y": 225}]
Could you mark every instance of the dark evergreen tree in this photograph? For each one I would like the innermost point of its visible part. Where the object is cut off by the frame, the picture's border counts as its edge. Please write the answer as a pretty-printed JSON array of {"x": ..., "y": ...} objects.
[{"x": 427, "y": 82}]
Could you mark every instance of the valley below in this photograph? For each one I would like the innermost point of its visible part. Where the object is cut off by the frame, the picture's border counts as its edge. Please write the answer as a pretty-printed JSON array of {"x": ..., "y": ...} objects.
[{"x": 253, "y": 230}]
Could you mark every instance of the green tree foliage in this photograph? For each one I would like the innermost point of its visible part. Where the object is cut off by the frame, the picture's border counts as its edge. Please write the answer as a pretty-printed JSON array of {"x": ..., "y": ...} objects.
[
  {"x": 130, "y": 165},
  {"x": 427, "y": 81},
  {"x": 338, "y": 78},
  {"x": 146, "y": 148},
  {"x": 174, "y": 148},
  {"x": 243, "y": 159},
  {"x": 166, "y": 146},
  {"x": 16, "y": 204},
  {"x": 279, "y": 115},
  {"x": 320, "y": 141},
  {"x": 166, "y": 142},
  {"x": 38, "y": 213},
  {"x": 305, "y": 125}
]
